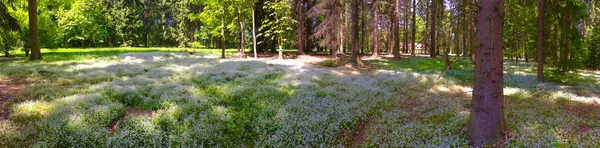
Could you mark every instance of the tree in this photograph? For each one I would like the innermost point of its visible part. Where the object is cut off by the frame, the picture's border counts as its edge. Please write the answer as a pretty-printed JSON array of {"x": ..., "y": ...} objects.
[
  {"x": 222, "y": 29},
  {"x": 432, "y": 44},
  {"x": 279, "y": 26},
  {"x": 487, "y": 123},
  {"x": 354, "y": 16},
  {"x": 414, "y": 27},
  {"x": 301, "y": 36},
  {"x": 254, "y": 33},
  {"x": 540, "y": 42},
  {"x": 328, "y": 30},
  {"x": 33, "y": 31},
  {"x": 396, "y": 30},
  {"x": 8, "y": 30},
  {"x": 375, "y": 29}
]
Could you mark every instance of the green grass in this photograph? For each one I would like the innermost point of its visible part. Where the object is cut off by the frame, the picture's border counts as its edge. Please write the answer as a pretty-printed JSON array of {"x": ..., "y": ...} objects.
[
  {"x": 462, "y": 70},
  {"x": 93, "y": 53}
]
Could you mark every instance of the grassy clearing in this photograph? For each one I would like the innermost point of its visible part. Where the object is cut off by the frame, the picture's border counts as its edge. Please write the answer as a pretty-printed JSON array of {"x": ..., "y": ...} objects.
[{"x": 202, "y": 100}]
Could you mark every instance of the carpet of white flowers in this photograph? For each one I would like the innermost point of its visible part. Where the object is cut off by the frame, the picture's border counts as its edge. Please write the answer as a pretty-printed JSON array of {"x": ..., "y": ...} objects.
[{"x": 200, "y": 100}]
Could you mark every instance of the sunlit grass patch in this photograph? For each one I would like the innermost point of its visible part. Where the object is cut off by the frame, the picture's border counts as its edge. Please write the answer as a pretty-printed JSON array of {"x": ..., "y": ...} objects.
[{"x": 461, "y": 70}]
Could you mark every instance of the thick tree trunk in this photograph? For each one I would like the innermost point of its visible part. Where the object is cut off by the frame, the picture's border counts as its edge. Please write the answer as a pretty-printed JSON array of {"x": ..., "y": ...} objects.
[
  {"x": 300, "y": 32},
  {"x": 396, "y": 30},
  {"x": 375, "y": 29},
  {"x": 540, "y": 41},
  {"x": 432, "y": 44},
  {"x": 354, "y": 54},
  {"x": 33, "y": 31},
  {"x": 487, "y": 123}
]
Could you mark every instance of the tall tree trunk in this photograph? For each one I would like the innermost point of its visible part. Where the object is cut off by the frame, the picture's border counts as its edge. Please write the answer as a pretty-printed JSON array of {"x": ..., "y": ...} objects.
[
  {"x": 425, "y": 44},
  {"x": 362, "y": 27},
  {"x": 375, "y": 29},
  {"x": 243, "y": 36},
  {"x": 341, "y": 33},
  {"x": 414, "y": 27},
  {"x": 6, "y": 50},
  {"x": 396, "y": 30},
  {"x": 432, "y": 44},
  {"x": 487, "y": 123},
  {"x": 33, "y": 31},
  {"x": 223, "y": 29},
  {"x": 300, "y": 32},
  {"x": 405, "y": 44},
  {"x": 354, "y": 54},
  {"x": 464, "y": 28},
  {"x": 540, "y": 41},
  {"x": 254, "y": 34}
]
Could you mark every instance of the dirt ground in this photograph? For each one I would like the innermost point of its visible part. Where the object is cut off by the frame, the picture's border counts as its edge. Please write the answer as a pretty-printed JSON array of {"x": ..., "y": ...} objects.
[{"x": 8, "y": 89}]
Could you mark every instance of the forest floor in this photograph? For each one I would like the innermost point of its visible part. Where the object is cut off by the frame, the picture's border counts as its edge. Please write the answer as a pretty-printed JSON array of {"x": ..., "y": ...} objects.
[{"x": 167, "y": 98}]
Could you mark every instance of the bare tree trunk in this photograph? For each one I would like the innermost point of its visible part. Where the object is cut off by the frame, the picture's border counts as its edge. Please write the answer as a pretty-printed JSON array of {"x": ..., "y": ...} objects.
[
  {"x": 243, "y": 36},
  {"x": 300, "y": 32},
  {"x": 254, "y": 34},
  {"x": 223, "y": 29},
  {"x": 33, "y": 31},
  {"x": 362, "y": 28},
  {"x": 405, "y": 44},
  {"x": 425, "y": 43},
  {"x": 375, "y": 29},
  {"x": 473, "y": 29},
  {"x": 414, "y": 27},
  {"x": 280, "y": 49},
  {"x": 540, "y": 41},
  {"x": 354, "y": 54},
  {"x": 341, "y": 37},
  {"x": 396, "y": 30},
  {"x": 487, "y": 123},
  {"x": 432, "y": 44}
]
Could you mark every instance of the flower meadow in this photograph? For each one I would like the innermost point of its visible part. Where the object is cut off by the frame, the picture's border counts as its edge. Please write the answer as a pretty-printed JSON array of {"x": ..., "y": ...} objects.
[{"x": 202, "y": 101}]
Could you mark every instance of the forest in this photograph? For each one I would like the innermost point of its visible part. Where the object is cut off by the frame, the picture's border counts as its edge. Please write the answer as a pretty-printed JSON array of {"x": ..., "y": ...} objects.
[{"x": 300, "y": 73}]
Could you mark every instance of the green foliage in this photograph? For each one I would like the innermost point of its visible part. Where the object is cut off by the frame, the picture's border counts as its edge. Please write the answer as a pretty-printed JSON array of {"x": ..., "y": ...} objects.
[
  {"x": 279, "y": 24},
  {"x": 330, "y": 63}
]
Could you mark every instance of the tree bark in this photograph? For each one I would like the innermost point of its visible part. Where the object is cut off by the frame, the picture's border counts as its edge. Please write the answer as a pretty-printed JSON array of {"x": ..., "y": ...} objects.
[
  {"x": 432, "y": 44},
  {"x": 540, "y": 41},
  {"x": 395, "y": 30},
  {"x": 487, "y": 123},
  {"x": 414, "y": 27},
  {"x": 300, "y": 32},
  {"x": 354, "y": 53},
  {"x": 254, "y": 34},
  {"x": 341, "y": 33},
  {"x": 33, "y": 31},
  {"x": 375, "y": 29},
  {"x": 222, "y": 29},
  {"x": 405, "y": 43},
  {"x": 243, "y": 36}
]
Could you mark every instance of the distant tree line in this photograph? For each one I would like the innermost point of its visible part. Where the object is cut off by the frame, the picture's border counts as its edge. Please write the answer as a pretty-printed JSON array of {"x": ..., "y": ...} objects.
[{"x": 394, "y": 27}]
